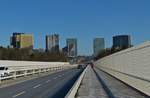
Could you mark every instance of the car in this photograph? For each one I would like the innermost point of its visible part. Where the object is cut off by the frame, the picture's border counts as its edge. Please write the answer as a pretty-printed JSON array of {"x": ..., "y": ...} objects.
[
  {"x": 92, "y": 65},
  {"x": 4, "y": 71},
  {"x": 81, "y": 66}
]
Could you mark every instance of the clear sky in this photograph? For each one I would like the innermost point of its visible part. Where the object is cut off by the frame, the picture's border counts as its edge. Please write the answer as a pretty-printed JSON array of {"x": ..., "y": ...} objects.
[{"x": 83, "y": 19}]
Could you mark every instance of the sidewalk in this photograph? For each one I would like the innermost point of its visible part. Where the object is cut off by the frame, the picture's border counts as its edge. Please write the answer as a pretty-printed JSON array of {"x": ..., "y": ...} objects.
[{"x": 90, "y": 86}]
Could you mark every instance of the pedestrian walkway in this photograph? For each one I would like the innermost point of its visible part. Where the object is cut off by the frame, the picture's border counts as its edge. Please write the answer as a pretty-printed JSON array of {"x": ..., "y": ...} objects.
[{"x": 90, "y": 86}]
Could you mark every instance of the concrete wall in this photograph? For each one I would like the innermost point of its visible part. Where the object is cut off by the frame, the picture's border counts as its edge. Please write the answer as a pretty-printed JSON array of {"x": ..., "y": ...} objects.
[
  {"x": 131, "y": 63},
  {"x": 12, "y": 65}
]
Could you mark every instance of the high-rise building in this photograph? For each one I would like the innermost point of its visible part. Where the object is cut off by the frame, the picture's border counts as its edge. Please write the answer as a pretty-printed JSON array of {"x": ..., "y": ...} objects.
[
  {"x": 22, "y": 40},
  {"x": 98, "y": 45},
  {"x": 65, "y": 50},
  {"x": 122, "y": 41},
  {"x": 72, "y": 47},
  {"x": 52, "y": 43}
]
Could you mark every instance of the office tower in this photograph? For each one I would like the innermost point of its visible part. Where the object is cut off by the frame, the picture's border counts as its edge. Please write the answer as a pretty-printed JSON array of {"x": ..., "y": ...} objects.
[
  {"x": 98, "y": 45},
  {"x": 121, "y": 41},
  {"x": 65, "y": 50},
  {"x": 22, "y": 40},
  {"x": 72, "y": 47},
  {"x": 52, "y": 43}
]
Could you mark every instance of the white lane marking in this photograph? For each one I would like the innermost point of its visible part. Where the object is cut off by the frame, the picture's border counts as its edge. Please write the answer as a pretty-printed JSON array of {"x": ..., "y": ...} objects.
[
  {"x": 37, "y": 86},
  {"x": 48, "y": 81},
  {"x": 55, "y": 78},
  {"x": 18, "y": 94}
]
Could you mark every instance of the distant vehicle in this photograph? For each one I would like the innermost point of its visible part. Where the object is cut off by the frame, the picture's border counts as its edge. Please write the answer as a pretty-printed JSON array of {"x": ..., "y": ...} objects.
[
  {"x": 4, "y": 71},
  {"x": 81, "y": 66},
  {"x": 91, "y": 64}
]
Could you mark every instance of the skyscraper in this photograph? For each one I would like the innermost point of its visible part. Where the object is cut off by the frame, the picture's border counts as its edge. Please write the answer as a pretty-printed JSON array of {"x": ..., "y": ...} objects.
[
  {"x": 122, "y": 41},
  {"x": 98, "y": 45},
  {"x": 52, "y": 43},
  {"x": 22, "y": 40},
  {"x": 65, "y": 50},
  {"x": 72, "y": 47}
]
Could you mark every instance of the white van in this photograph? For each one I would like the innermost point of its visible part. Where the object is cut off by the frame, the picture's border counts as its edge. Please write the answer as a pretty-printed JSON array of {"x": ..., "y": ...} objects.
[{"x": 4, "y": 71}]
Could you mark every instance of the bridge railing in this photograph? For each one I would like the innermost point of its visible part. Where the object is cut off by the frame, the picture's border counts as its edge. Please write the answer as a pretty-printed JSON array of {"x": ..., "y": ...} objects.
[
  {"x": 23, "y": 68},
  {"x": 131, "y": 66}
]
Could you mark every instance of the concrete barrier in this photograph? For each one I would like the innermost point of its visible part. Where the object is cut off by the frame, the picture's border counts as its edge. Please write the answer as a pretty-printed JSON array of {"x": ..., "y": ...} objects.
[
  {"x": 131, "y": 66},
  {"x": 74, "y": 89}
]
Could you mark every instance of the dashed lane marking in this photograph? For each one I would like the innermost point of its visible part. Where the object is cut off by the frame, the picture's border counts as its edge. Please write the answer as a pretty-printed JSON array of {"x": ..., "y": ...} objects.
[
  {"x": 37, "y": 86},
  {"x": 18, "y": 94},
  {"x": 48, "y": 81}
]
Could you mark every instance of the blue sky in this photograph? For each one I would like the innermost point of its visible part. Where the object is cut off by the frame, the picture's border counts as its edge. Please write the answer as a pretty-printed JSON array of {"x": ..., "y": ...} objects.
[{"x": 83, "y": 19}]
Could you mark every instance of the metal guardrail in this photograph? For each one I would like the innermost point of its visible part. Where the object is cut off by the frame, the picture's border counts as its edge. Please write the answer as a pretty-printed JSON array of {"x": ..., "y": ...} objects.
[
  {"x": 29, "y": 68},
  {"x": 74, "y": 89}
]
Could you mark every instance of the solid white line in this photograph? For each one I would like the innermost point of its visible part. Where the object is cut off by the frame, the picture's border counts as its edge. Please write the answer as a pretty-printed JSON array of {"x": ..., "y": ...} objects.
[
  {"x": 37, "y": 86},
  {"x": 48, "y": 81},
  {"x": 18, "y": 94}
]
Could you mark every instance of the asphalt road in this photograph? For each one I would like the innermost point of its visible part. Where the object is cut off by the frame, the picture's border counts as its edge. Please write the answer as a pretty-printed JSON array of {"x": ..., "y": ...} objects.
[{"x": 51, "y": 86}]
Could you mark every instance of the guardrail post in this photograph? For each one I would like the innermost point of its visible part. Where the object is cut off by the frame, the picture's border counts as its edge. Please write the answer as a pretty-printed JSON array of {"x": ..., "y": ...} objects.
[
  {"x": 45, "y": 70},
  {"x": 49, "y": 69},
  {"x": 53, "y": 69},
  {"x": 39, "y": 71},
  {"x": 14, "y": 75},
  {"x": 25, "y": 73},
  {"x": 0, "y": 80},
  {"x": 33, "y": 71}
]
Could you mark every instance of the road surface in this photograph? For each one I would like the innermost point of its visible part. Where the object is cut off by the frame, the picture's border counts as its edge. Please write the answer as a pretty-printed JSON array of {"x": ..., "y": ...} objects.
[{"x": 50, "y": 86}]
